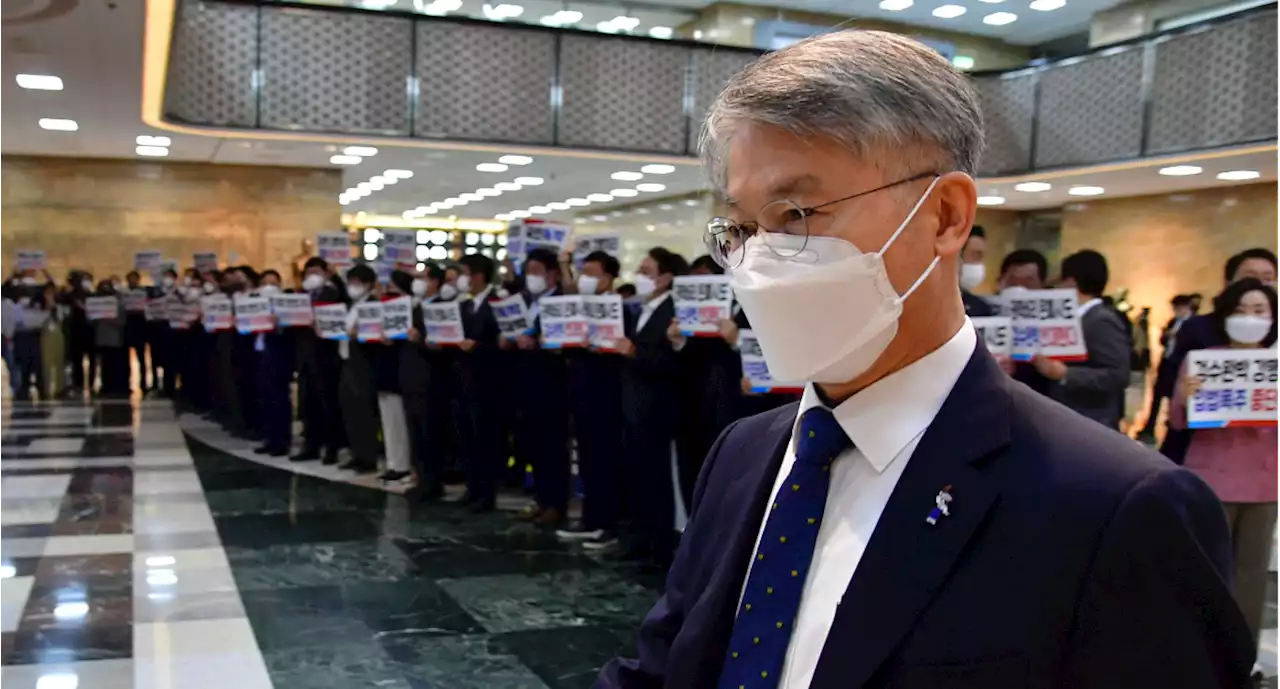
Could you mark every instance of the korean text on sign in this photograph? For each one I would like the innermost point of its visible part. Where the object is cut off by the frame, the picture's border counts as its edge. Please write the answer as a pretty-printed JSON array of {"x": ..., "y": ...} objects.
[
  {"x": 253, "y": 315},
  {"x": 205, "y": 260},
  {"x": 217, "y": 312},
  {"x": 1239, "y": 388},
  {"x": 331, "y": 321},
  {"x": 609, "y": 243},
  {"x": 101, "y": 308},
  {"x": 756, "y": 370},
  {"x": 397, "y": 314},
  {"x": 996, "y": 332},
  {"x": 702, "y": 301},
  {"x": 145, "y": 261},
  {"x": 443, "y": 323},
  {"x": 512, "y": 316},
  {"x": 1046, "y": 322},
  {"x": 334, "y": 248},
  {"x": 292, "y": 309},
  {"x": 157, "y": 309},
  {"x": 176, "y": 312},
  {"x": 546, "y": 235},
  {"x": 161, "y": 267},
  {"x": 31, "y": 260},
  {"x": 564, "y": 323},
  {"x": 604, "y": 320},
  {"x": 135, "y": 300},
  {"x": 369, "y": 321},
  {"x": 399, "y": 246}
]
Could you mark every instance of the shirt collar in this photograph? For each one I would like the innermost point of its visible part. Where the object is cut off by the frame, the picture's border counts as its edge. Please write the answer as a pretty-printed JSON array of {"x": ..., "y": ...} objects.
[
  {"x": 477, "y": 300},
  {"x": 654, "y": 303},
  {"x": 881, "y": 419},
  {"x": 1084, "y": 308}
]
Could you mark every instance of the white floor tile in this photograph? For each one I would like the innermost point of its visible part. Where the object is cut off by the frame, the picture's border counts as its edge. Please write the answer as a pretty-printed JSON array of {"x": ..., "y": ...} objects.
[
  {"x": 86, "y": 430},
  {"x": 64, "y": 414},
  {"x": 28, "y": 511},
  {"x": 21, "y": 547},
  {"x": 43, "y": 486},
  {"x": 88, "y": 674},
  {"x": 161, "y": 482},
  {"x": 89, "y": 545},
  {"x": 59, "y": 445},
  {"x": 70, "y": 463},
  {"x": 166, "y": 580},
  {"x": 200, "y": 654},
  {"x": 13, "y": 600},
  {"x": 181, "y": 560},
  {"x": 166, "y": 517},
  {"x": 147, "y": 457}
]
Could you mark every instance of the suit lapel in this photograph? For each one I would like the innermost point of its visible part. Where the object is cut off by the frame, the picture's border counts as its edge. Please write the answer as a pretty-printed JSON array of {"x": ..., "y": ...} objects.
[{"x": 907, "y": 560}]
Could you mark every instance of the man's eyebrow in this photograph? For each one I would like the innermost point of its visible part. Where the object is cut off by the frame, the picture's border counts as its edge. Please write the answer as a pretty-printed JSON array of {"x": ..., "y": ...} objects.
[{"x": 783, "y": 189}]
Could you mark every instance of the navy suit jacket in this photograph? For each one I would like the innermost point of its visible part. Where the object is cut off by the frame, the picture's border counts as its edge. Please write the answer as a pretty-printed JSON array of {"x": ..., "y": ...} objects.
[{"x": 1073, "y": 557}]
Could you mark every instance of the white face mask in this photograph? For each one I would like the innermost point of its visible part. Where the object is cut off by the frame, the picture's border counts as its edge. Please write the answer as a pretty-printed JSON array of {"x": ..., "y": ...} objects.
[
  {"x": 448, "y": 291},
  {"x": 645, "y": 286},
  {"x": 972, "y": 275},
  {"x": 193, "y": 293},
  {"x": 827, "y": 313},
  {"x": 312, "y": 282},
  {"x": 210, "y": 288},
  {"x": 420, "y": 287},
  {"x": 536, "y": 284},
  {"x": 1244, "y": 329},
  {"x": 356, "y": 291},
  {"x": 588, "y": 284},
  {"x": 166, "y": 282},
  {"x": 28, "y": 280},
  {"x": 464, "y": 283},
  {"x": 86, "y": 285},
  {"x": 186, "y": 280},
  {"x": 268, "y": 290}
]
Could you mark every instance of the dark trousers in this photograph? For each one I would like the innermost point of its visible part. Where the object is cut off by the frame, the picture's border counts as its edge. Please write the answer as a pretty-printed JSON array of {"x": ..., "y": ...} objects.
[
  {"x": 79, "y": 348},
  {"x": 649, "y": 410},
  {"x": 244, "y": 369},
  {"x": 596, "y": 395},
  {"x": 426, "y": 431},
  {"x": 28, "y": 364},
  {"x": 484, "y": 438},
  {"x": 318, "y": 399},
  {"x": 156, "y": 335},
  {"x": 544, "y": 426},
  {"x": 115, "y": 371},
  {"x": 277, "y": 413},
  {"x": 229, "y": 411},
  {"x": 359, "y": 399},
  {"x": 707, "y": 412}
]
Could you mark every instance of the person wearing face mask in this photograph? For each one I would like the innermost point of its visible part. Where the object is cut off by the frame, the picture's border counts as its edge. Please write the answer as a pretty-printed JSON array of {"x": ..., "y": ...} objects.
[
  {"x": 357, "y": 391},
  {"x": 397, "y": 445},
  {"x": 1239, "y": 463},
  {"x": 479, "y": 371},
  {"x": 450, "y": 290},
  {"x": 28, "y": 368},
  {"x": 244, "y": 281},
  {"x": 424, "y": 386},
  {"x": 78, "y": 333},
  {"x": 109, "y": 343},
  {"x": 135, "y": 326},
  {"x": 650, "y": 407},
  {"x": 158, "y": 335},
  {"x": 199, "y": 366},
  {"x": 917, "y": 519},
  {"x": 225, "y": 398},
  {"x": 973, "y": 271},
  {"x": 275, "y": 351},
  {"x": 319, "y": 368}
]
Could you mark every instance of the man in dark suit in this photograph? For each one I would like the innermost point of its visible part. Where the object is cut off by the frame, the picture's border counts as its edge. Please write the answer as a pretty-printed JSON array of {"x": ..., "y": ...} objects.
[
  {"x": 480, "y": 374},
  {"x": 1093, "y": 387},
  {"x": 918, "y": 519},
  {"x": 318, "y": 367}
]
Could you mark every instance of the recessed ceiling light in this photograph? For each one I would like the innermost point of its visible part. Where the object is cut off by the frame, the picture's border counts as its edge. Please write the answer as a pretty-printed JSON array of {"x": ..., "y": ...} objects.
[
  {"x": 949, "y": 11},
  {"x": 1033, "y": 187},
  {"x": 624, "y": 193},
  {"x": 366, "y": 187},
  {"x": 895, "y": 5},
  {"x": 1181, "y": 170},
  {"x": 55, "y": 124},
  {"x": 491, "y": 167},
  {"x": 443, "y": 205},
  {"x": 383, "y": 179},
  {"x": 658, "y": 169},
  {"x": 471, "y": 196},
  {"x": 40, "y": 82},
  {"x": 599, "y": 198},
  {"x": 990, "y": 200},
  {"x": 341, "y": 159},
  {"x": 962, "y": 62},
  {"x": 515, "y": 160},
  {"x": 409, "y": 215},
  {"x": 558, "y": 206},
  {"x": 651, "y": 187},
  {"x": 1086, "y": 190},
  {"x": 665, "y": 207},
  {"x": 626, "y": 176},
  {"x": 692, "y": 202},
  {"x": 488, "y": 191},
  {"x": 577, "y": 202},
  {"x": 144, "y": 140},
  {"x": 642, "y": 211},
  {"x": 520, "y": 214},
  {"x": 457, "y": 201},
  {"x": 993, "y": 2},
  {"x": 600, "y": 218},
  {"x": 661, "y": 32},
  {"x": 502, "y": 216},
  {"x": 362, "y": 151},
  {"x": 617, "y": 214},
  {"x": 500, "y": 12},
  {"x": 428, "y": 211},
  {"x": 529, "y": 181},
  {"x": 375, "y": 185},
  {"x": 1047, "y": 5},
  {"x": 154, "y": 151},
  {"x": 1000, "y": 18},
  {"x": 507, "y": 186},
  {"x": 1238, "y": 175},
  {"x": 398, "y": 174},
  {"x": 539, "y": 209}
]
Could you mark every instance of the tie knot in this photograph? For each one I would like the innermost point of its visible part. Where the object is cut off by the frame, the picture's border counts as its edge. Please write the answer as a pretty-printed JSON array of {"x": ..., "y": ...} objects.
[{"x": 820, "y": 437}]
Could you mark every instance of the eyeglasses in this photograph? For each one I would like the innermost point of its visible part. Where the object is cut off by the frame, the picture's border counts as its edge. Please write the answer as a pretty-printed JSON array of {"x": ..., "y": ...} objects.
[{"x": 726, "y": 238}]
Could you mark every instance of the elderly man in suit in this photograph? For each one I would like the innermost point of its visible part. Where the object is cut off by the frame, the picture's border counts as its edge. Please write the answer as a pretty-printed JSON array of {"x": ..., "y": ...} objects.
[
  {"x": 1094, "y": 387},
  {"x": 918, "y": 519}
]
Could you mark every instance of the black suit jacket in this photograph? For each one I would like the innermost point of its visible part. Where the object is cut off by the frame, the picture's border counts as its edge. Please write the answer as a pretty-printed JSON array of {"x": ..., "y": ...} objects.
[
  {"x": 1095, "y": 387},
  {"x": 1073, "y": 557},
  {"x": 650, "y": 379}
]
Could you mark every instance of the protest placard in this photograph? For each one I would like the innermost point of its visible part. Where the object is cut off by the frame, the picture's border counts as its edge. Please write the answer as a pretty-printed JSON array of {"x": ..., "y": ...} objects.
[
  {"x": 756, "y": 369},
  {"x": 335, "y": 249},
  {"x": 399, "y": 248},
  {"x": 161, "y": 267},
  {"x": 176, "y": 312},
  {"x": 135, "y": 300},
  {"x": 564, "y": 323},
  {"x": 218, "y": 313},
  {"x": 101, "y": 308},
  {"x": 513, "y": 316},
  {"x": 31, "y": 259},
  {"x": 1046, "y": 322},
  {"x": 157, "y": 309},
  {"x": 205, "y": 260},
  {"x": 397, "y": 317},
  {"x": 253, "y": 314},
  {"x": 145, "y": 261},
  {"x": 331, "y": 321},
  {"x": 997, "y": 333},
  {"x": 369, "y": 321},
  {"x": 443, "y": 322},
  {"x": 604, "y": 320},
  {"x": 583, "y": 246},
  {"x": 1239, "y": 388},
  {"x": 701, "y": 302},
  {"x": 292, "y": 309}
]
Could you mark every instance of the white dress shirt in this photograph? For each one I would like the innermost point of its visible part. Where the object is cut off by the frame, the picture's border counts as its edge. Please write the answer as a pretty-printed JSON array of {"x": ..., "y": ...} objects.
[
  {"x": 885, "y": 422},
  {"x": 1084, "y": 308},
  {"x": 646, "y": 311},
  {"x": 480, "y": 297}
]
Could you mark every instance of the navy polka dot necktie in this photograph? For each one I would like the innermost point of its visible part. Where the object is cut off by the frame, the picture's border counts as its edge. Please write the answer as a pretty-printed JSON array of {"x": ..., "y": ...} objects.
[{"x": 771, "y": 598}]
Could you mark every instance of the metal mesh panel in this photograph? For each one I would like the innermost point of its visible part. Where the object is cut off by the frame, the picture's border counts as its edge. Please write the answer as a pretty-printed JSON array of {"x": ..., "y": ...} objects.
[
  {"x": 622, "y": 94},
  {"x": 210, "y": 78},
  {"x": 1215, "y": 87},
  {"x": 712, "y": 69},
  {"x": 335, "y": 71},
  {"x": 1008, "y": 110},
  {"x": 1091, "y": 110},
  {"x": 480, "y": 82}
]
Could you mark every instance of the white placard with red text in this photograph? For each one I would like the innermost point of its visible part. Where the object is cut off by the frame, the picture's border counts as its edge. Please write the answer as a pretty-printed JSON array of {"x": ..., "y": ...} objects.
[
  {"x": 443, "y": 321},
  {"x": 369, "y": 321},
  {"x": 604, "y": 320},
  {"x": 335, "y": 249},
  {"x": 399, "y": 247},
  {"x": 135, "y": 300},
  {"x": 756, "y": 369},
  {"x": 1045, "y": 322},
  {"x": 512, "y": 315},
  {"x": 292, "y": 309},
  {"x": 331, "y": 321},
  {"x": 397, "y": 317},
  {"x": 253, "y": 314},
  {"x": 564, "y": 323},
  {"x": 701, "y": 302},
  {"x": 101, "y": 308},
  {"x": 996, "y": 332},
  {"x": 218, "y": 313},
  {"x": 33, "y": 259},
  {"x": 1239, "y": 388}
]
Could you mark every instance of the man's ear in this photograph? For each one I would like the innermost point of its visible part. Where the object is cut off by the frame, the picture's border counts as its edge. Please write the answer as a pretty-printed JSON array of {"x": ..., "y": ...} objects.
[{"x": 957, "y": 207}]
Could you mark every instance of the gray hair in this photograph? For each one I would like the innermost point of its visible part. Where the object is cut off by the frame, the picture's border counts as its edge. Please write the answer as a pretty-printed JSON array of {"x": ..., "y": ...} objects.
[{"x": 871, "y": 91}]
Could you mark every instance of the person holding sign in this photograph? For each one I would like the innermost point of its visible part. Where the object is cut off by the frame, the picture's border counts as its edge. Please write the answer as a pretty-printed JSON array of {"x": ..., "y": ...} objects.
[
  {"x": 425, "y": 387},
  {"x": 275, "y": 349},
  {"x": 917, "y": 520},
  {"x": 135, "y": 323},
  {"x": 357, "y": 384},
  {"x": 108, "y": 340},
  {"x": 480, "y": 372},
  {"x": 397, "y": 445},
  {"x": 1239, "y": 461},
  {"x": 318, "y": 367}
]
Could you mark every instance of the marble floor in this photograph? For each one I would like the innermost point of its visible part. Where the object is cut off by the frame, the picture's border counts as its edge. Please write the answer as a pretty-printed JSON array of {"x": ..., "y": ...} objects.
[{"x": 138, "y": 550}]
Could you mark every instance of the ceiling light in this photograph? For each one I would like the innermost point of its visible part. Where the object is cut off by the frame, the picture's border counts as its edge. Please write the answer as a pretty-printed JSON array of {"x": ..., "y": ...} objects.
[
  {"x": 895, "y": 5},
  {"x": 471, "y": 196},
  {"x": 1181, "y": 170},
  {"x": 154, "y": 151},
  {"x": 456, "y": 201},
  {"x": 507, "y": 186},
  {"x": 625, "y": 193},
  {"x": 383, "y": 180},
  {"x": 962, "y": 62},
  {"x": 993, "y": 2},
  {"x": 599, "y": 198},
  {"x": 362, "y": 151},
  {"x": 692, "y": 202},
  {"x": 624, "y": 176},
  {"x": 519, "y": 214},
  {"x": 577, "y": 202},
  {"x": 515, "y": 160},
  {"x": 651, "y": 187},
  {"x": 345, "y": 160},
  {"x": 650, "y": 228},
  {"x": 626, "y": 22},
  {"x": 1000, "y": 18},
  {"x": 144, "y": 140},
  {"x": 990, "y": 200},
  {"x": 366, "y": 187},
  {"x": 428, "y": 211},
  {"x": 409, "y": 215},
  {"x": 600, "y": 218},
  {"x": 502, "y": 12},
  {"x": 529, "y": 181},
  {"x": 665, "y": 207},
  {"x": 949, "y": 11},
  {"x": 439, "y": 7},
  {"x": 539, "y": 209},
  {"x": 504, "y": 216},
  {"x": 1033, "y": 187},
  {"x": 488, "y": 191},
  {"x": 561, "y": 18},
  {"x": 491, "y": 167},
  {"x": 40, "y": 82},
  {"x": 372, "y": 234},
  {"x": 443, "y": 205},
  {"x": 642, "y": 211},
  {"x": 1086, "y": 190},
  {"x": 617, "y": 214},
  {"x": 658, "y": 169},
  {"x": 54, "y": 124},
  {"x": 558, "y": 206},
  {"x": 398, "y": 174},
  {"x": 661, "y": 32},
  {"x": 1238, "y": 175},
  {"x": 1047, "y": 5},
  {"x": 375, "y": 185}
]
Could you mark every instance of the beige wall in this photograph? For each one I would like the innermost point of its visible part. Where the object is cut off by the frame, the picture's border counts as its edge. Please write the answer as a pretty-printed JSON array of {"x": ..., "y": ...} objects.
[
  {"x": 1001, "y": 228},
  {"x": 90, "y": 213}
]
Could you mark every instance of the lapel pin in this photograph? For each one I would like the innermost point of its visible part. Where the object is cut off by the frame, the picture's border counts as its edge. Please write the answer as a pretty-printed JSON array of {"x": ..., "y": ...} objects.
[{"x": 941, "y": 509}]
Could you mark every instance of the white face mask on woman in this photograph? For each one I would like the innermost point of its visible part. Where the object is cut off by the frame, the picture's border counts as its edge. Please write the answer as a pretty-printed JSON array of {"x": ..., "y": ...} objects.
[
  {"x": 356, "y": 292},
  {"x": 420, "y": 288},
  {"x": 464, "y": 283},
  {"x": 826, "y": 313},
  {"x": 313, "y": 282},
  {"x": 448, "y": 292},
  {"x": 1245, "y": 329}
]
